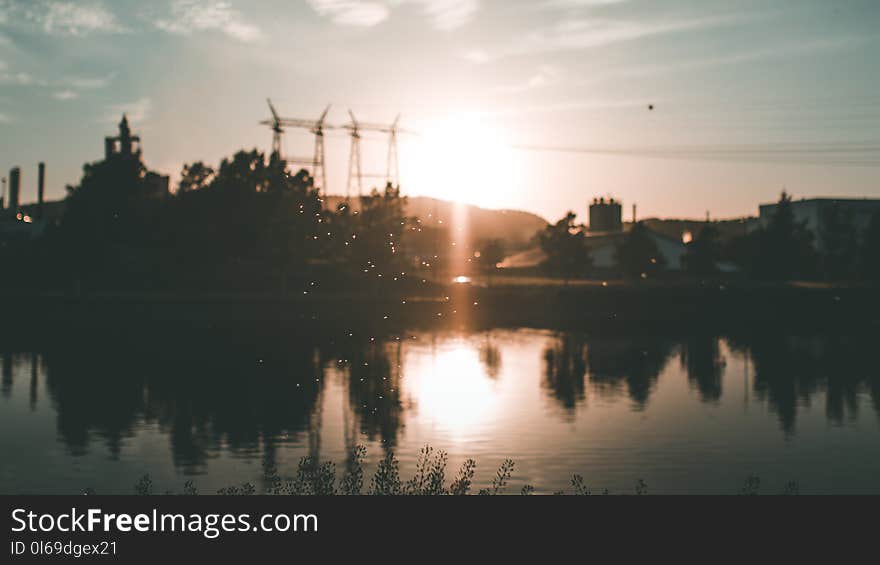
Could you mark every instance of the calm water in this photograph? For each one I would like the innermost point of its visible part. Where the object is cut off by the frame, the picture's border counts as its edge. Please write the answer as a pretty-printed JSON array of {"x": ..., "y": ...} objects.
[{"x": 686, "y": 414}]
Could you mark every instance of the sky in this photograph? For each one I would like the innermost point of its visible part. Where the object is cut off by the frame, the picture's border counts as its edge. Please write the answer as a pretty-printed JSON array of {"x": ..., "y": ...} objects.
[{"x": 749, "y": 97}]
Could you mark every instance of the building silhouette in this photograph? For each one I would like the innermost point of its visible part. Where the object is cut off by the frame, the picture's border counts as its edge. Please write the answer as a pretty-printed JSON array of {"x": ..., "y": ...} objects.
[
  {"x": 127, "y": 147},
  {"x": 606, "y": 216},
  {"x": 815, "y": 213}
]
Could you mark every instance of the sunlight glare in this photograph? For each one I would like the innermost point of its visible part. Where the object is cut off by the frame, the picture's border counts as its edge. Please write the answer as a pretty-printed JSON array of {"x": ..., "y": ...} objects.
[{"x": 465, "y": 159}]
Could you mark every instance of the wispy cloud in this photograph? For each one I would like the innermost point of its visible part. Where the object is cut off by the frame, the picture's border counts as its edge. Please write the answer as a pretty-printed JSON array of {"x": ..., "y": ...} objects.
[
  {"x": 352, "y": 12},
  {"x": 585, "y": 33},
  {"x": 579, "y": 3},
  {"x": 188, "y": 16},
  {"x": 19, "y": 79},
  {"x": 450, "y": 14},
  {"x": 783, "y": 51},
  {"x": 77, "y": 19},
  {"x": 4, "y": 119},
  {"x": 546, "y": 75},
  {"x": 137, "y": 111},
  {"x": 90, "y": 83},
  {"x": 444, "y": 14},
  {"x": 65, "y": 95},
  {"x": 584, "y": 105}
]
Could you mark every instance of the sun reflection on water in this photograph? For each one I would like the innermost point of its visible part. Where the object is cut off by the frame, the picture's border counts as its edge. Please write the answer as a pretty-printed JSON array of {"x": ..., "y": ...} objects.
[{"x": 452, "y": 390}]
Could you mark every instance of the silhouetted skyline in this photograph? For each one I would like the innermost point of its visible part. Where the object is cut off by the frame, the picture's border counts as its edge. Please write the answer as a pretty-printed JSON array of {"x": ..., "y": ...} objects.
[{"x": 475, "y": 78}]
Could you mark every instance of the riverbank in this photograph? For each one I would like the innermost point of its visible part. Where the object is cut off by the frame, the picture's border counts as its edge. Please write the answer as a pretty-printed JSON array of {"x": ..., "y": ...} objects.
[{"x": 605, "y": 305}]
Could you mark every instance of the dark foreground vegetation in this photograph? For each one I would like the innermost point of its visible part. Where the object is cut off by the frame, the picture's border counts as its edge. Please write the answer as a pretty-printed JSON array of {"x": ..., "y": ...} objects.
[{"x": 315, "y": 478}]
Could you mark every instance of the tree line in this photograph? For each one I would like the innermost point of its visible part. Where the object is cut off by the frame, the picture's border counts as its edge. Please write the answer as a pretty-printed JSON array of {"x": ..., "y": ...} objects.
[
  {"x": 248, "y": 224},
  {"x": 783, "y": 250}
]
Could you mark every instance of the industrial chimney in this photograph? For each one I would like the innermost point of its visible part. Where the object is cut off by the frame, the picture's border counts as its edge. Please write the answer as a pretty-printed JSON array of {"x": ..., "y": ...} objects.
[
  {"x": 41, "y": 188},
  {"x": 14, "y": 189}
]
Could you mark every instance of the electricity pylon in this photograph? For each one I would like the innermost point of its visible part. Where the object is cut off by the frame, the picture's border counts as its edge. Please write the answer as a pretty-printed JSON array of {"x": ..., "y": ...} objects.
[{"x": 317, "y": 162}]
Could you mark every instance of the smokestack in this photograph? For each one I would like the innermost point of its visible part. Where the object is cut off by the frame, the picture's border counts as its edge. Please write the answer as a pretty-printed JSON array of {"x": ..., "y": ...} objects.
[
  {"x": 14, "y": 189},
  {"x": 634, "y": 213},
  {"x": 41, "y": 188}
]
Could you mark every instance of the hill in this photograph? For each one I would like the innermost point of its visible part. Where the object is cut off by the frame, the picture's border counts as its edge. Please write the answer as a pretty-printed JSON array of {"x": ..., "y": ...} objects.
[{"x": 516, "y": 228}]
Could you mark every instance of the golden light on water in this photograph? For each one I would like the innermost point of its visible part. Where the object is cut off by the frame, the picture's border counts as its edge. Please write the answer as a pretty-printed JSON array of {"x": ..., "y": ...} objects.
[{"x": 452, "y": 390}]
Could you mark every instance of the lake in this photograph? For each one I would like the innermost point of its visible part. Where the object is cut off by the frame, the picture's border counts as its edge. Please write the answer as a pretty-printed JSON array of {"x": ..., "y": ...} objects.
[{"x": 696, "y": 413}]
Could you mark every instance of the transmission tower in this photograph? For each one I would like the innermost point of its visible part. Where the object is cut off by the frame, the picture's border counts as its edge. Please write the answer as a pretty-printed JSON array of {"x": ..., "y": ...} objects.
[
  {"x": 355, "y": 174},
  {"x": 392, "y": 171},
  {"x": 277, "y": 130},
  {"x": 392, "y": 176},
  {"x": 317, "y": 163}
]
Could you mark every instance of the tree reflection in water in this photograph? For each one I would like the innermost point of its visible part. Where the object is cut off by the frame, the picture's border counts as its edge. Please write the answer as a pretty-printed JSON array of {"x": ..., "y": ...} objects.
[{"x": 219, "y": 394}]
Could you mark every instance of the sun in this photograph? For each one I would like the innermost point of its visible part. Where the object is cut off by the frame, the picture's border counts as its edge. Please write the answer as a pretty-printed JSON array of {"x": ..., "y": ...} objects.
[{"x": 464, "y": 158}]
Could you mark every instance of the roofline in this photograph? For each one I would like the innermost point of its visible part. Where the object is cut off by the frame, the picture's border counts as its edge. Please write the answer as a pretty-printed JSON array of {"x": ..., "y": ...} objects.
[{"x": 827, "y": 199}]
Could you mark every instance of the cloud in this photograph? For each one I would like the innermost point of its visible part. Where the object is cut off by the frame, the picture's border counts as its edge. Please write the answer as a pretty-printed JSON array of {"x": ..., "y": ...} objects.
[
  {"x": 580, "y": 3},
  {"x": 137, "y": 111},
  {"x": 4, "y": 119},
  {"x": 476, "y": 56},
  {"x": 78, "y": 19},
  {"x": 351, "y": 12},
  {"x": 19, "y": 79},
  {"x": 188, "y": 16},
  {"x": 546, "y": 75},
  {"x": 64, "y": 95},
  {"x": 90, "y": 83},
  {"x": 586, "y": 33},
  {"x": 782, "y": 51},
  {"x": 450, "y": 14},
  {"x": 444, "y": 14}
]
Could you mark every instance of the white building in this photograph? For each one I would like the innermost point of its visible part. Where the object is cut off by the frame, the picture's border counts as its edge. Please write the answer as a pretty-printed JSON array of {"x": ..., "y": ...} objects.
[
  {"x": 603, "y": 250},
  {"x": 812, "y": 212}
]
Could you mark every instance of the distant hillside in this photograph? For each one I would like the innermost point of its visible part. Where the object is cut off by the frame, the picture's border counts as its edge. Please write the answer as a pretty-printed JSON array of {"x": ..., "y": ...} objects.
[{"x": 514, "y": 227}]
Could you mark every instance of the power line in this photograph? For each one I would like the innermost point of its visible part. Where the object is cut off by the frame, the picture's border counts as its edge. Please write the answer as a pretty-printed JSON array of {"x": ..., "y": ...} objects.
[{"x": 864, "y": 154}]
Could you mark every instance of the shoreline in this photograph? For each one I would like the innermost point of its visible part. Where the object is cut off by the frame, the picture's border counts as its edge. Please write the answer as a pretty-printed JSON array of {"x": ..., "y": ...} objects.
[{"x": 616, "y": 306}]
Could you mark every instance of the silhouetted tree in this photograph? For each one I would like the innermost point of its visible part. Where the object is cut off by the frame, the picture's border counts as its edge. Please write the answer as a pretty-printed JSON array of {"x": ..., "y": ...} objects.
[
  {"x": 564, "y": 245},
  {"x": 784, "y": 250},
  {"x": 639, "y": 255},
  {"x": 703, "y": 252},
  {"x": 377, "y": 234},
  {"x": 195, "y": 177},
  {"x": 491, "y": 254},
  {"x": 245, "y": 173},
  {"x": 252, "y": 223}
]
